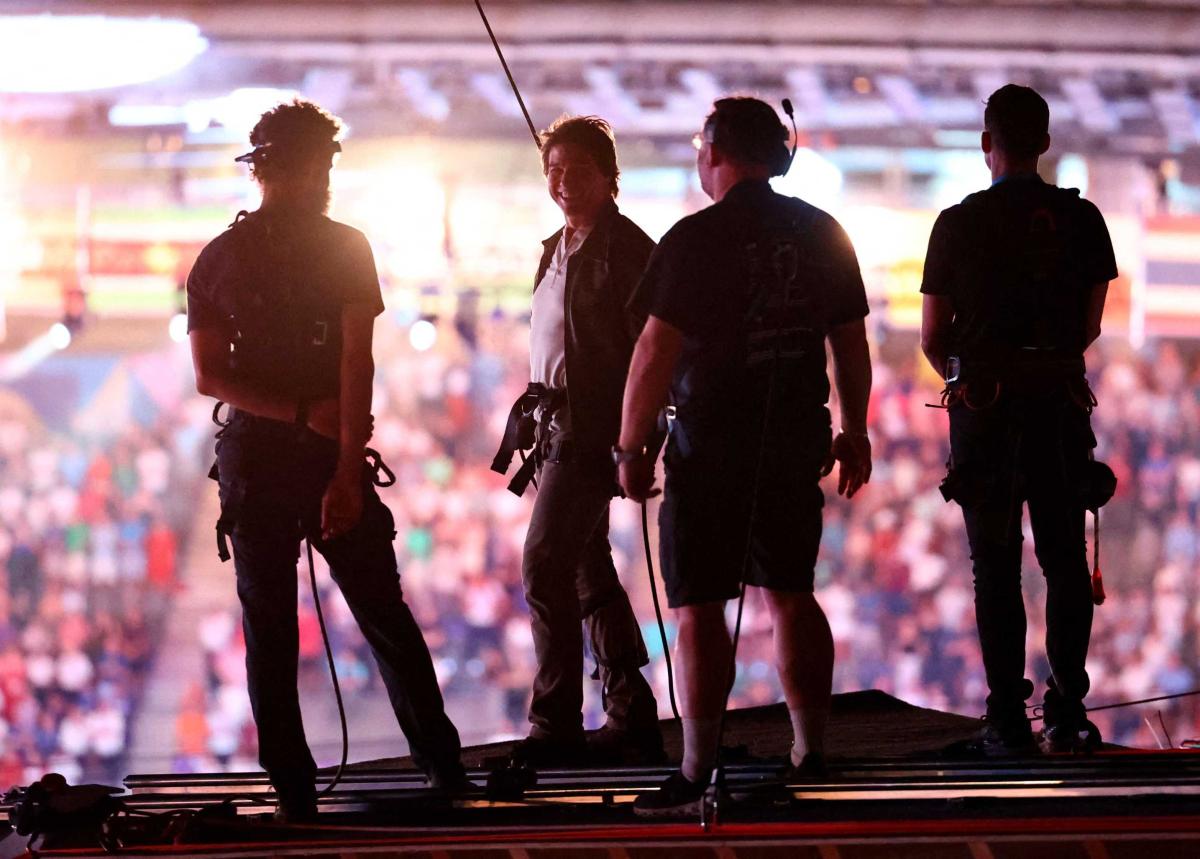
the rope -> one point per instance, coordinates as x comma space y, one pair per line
337, 689
662, 630
537, 141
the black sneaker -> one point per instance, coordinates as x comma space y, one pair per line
1065, 726
296, 809
675, 797
450, 781
811, 767
535, 751
1010, 738
610, 746
1073, 737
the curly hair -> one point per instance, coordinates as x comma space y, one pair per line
750, 131
591, 134
290, 133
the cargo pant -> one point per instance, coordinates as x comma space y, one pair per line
272, 477
570, 581
1025, 450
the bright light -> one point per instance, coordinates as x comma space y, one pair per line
813, 178
60, 336
177, 327
73, 53
422, 335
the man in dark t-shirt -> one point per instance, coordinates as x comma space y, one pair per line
741, 299
281, 309
1014, 285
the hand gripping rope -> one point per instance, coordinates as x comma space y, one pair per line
645, 523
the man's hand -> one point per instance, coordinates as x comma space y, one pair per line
636, 477
853, 451
342, 504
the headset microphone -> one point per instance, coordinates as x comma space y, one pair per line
787, 108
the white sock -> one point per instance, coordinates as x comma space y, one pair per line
808, 732
699, 748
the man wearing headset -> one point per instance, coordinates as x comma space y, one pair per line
281, 309
742, 298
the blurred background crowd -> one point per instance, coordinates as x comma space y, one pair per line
120, 635
90, 535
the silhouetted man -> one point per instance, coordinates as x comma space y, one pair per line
742, 298
281, 309
1015, 280
581, 338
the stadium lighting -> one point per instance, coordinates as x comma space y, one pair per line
76, 53
177, 327
17, 364
59, 336
422, 335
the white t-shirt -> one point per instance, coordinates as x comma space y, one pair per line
547, 335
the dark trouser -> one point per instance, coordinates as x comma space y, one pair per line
1026, 450
275, 477
570, 579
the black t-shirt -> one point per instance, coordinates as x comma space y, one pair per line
1018, 262
755, 283
277, 288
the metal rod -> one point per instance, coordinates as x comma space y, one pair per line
537, 141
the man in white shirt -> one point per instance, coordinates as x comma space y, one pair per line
581, 339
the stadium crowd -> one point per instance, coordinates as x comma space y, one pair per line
894, 574
90, 531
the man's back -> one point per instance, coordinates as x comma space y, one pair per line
278, 285
755, 283
1018, 262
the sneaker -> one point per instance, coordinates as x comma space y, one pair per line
611, 746
451, 781
1010, 738
536, 751
811, 767
676, 797
1071, 737
296, 809
1065, 726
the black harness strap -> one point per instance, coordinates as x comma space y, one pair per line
524, 430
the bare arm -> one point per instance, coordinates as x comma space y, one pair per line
357, 379
1095, 311
937, 315
852, 376
650, 370
210, 353
852, 373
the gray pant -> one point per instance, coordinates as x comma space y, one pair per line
569, 581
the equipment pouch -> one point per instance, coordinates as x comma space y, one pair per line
1099, 485
969, 484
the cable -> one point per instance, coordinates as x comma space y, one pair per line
662, 630
537, 141
337, 689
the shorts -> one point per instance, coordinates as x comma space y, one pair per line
704, 522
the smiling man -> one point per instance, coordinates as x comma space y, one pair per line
581, 339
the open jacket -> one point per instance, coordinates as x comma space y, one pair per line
600, 329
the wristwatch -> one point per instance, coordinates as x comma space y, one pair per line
619, 455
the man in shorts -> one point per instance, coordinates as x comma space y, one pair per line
741, 299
